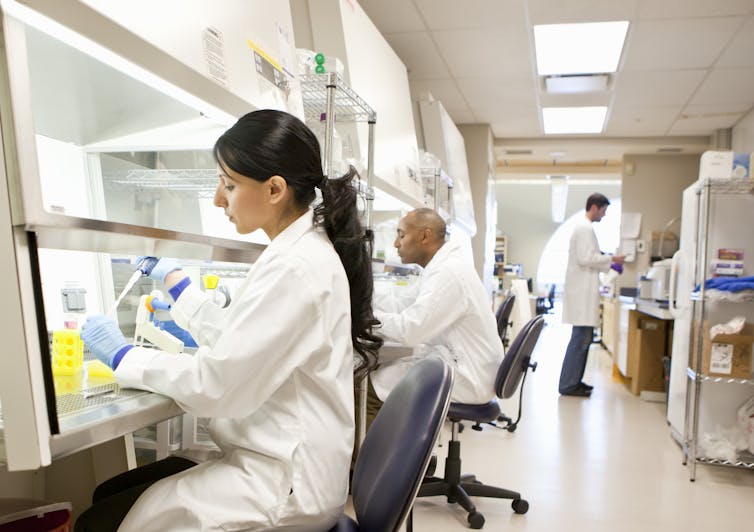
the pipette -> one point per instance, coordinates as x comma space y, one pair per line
142, 266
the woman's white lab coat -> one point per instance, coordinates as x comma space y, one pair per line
581, 293
275, 374
451, 318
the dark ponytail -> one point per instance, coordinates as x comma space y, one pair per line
338, 214
266, 143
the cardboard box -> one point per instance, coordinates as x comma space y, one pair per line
727, 355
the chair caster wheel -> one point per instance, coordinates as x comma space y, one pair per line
511, 428
520, 506
476, 520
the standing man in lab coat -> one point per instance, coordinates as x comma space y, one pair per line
450, 315
581, 301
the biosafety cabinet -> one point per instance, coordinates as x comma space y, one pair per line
106, 155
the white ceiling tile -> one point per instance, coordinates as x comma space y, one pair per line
714, 111
452, 14
550, 12
393, 15
418, 52
444, 90
740, 51
516, 115
679, 41
629, 121
693, 8
462, 117
727, 86
656, 88
490, 53
517, 123
701, 124
504, 94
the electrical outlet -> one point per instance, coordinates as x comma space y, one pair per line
641, 246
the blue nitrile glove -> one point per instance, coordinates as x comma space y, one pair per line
104, 339
157, 268
617, 267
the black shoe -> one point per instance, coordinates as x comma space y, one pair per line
577, 392
585, 386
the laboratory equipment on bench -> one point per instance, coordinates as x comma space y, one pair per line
147, 330
656, 283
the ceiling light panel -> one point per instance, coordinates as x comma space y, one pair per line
573, 120
586, 48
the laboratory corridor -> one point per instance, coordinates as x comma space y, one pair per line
606, 463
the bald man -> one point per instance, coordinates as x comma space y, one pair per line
449, 317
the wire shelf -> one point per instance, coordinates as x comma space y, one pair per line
743, 459
721, 295
348, 106
714, 378
201, 182
729, 185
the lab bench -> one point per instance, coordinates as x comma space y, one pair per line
644, 332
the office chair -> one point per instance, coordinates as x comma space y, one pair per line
459, 488
396, 450
503, 315
545, 305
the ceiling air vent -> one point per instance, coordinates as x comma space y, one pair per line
576, 83
518, 152
669, 150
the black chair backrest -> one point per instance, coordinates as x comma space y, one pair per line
516, 360
551, 294
503, 315
397, 448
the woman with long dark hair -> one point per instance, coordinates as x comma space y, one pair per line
274, 371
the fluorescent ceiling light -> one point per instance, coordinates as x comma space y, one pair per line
558, 196
588, 48
576, 84
562, 120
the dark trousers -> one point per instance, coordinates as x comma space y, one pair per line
574, 362
113, 499
373, 406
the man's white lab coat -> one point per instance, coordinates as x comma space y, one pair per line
275, 374
450, 317
581, 295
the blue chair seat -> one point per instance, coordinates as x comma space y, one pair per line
478, 413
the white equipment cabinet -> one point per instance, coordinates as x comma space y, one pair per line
106, 147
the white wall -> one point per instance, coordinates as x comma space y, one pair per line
524, 215
743, 134
655, 189
481, 163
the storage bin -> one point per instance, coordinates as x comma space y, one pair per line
28, 515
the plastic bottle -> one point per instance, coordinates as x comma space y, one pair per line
328, 64
337, 146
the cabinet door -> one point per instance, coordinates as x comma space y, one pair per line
624, 329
